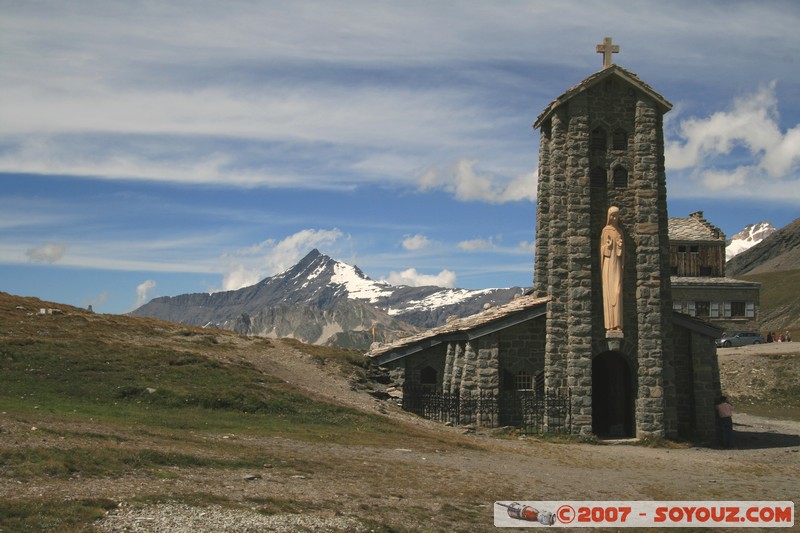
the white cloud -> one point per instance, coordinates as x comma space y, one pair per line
462, 181
416, 242
527, 247
412, 278
751, 126
248, 266
47, 253
143, 291
478, 245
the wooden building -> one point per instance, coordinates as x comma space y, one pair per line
699, 285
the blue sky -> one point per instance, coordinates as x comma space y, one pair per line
160, 148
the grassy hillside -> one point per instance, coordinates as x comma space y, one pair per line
124, 369
780, 301
86, 396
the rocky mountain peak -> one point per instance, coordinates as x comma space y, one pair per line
747, 238
779, 251
321, 300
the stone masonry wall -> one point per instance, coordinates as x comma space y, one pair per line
522, 347
572, 206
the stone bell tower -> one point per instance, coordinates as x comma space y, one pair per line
602, 147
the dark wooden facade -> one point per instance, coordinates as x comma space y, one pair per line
697, 259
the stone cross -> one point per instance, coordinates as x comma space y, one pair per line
607, 49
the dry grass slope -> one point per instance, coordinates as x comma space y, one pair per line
113, 423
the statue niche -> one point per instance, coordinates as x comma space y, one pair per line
611, 267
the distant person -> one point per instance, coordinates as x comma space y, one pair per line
725, 414
769, 337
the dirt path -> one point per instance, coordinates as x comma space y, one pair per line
764, 465
450, 487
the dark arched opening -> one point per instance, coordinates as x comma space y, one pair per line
612, 396
428, 376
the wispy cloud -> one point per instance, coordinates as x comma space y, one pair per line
248, 266
412, 278
97, 301
416, 242
465, 183
477, 245
47, 253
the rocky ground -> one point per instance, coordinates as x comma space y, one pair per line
447, 486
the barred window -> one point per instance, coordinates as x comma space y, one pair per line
523, 381
598, 141
620, 139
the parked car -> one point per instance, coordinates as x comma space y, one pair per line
739, 338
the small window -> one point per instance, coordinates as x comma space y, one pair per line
539, 385
738, 309
620, 139
702, 309
523, 381
598, 139
694, 249
620, 178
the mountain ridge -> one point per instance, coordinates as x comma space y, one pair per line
323, 301
779, 251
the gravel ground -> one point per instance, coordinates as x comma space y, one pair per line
180, 518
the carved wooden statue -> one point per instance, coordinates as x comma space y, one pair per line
611, 266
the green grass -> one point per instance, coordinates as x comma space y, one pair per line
82, 371
112, 378
779, 304
48, 515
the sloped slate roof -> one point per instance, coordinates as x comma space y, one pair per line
682, 282
693, 229
697, 325
614, 70
471, 327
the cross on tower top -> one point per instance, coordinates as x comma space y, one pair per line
607, 49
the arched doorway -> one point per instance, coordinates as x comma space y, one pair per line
612, 396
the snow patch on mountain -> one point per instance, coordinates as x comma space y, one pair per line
358, 285
442, 298
747, 238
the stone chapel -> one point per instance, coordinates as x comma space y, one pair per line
596, 347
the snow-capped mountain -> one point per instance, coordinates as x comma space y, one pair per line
323, 301
747, 238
